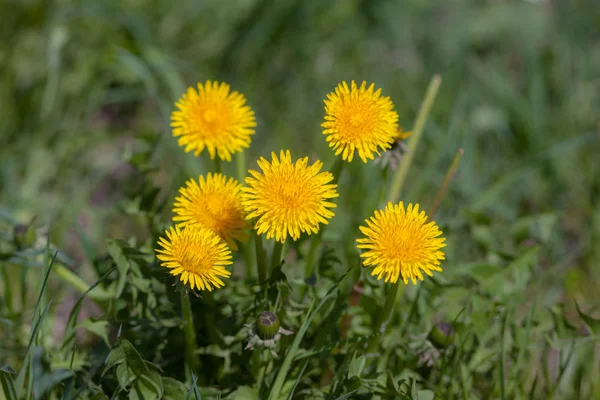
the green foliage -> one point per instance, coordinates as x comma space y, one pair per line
89, 171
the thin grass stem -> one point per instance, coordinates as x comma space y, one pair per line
441, 193
413, 141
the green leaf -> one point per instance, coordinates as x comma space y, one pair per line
124, 375
131, 368
244, 393
152, 379
393, 385
100, 328
115, 357
8, 383
122, 262
173, 389
144, 390
425, 395
356, 366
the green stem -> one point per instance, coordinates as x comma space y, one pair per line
189, 332
447, 179
312, 252
209, 318
261, 258
217, 165
263, 364
315, 241
388, 307
240, 166
247, 250
79, 284
414, 139
336, 169
276, 259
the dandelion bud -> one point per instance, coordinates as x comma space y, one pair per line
442, 335
267, 325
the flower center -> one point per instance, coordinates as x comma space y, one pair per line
212, 119
356, 120
214, 204
289, 198
405, 245
210, 116
195, 261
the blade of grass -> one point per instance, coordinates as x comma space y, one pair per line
194, 389
298, 379
27, 366
72, 320
80, 285
37, 320
88, 248
503, 357
8, 383
289, 357
447, 179
347, 395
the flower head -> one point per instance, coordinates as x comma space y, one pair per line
215, 203
400, 242
288, 198
359, 119
213, 118
197, 254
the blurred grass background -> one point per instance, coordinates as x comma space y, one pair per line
85, 85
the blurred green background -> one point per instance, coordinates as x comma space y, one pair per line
87, 86
82, 81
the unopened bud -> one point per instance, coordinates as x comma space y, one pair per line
442, 335
267, 325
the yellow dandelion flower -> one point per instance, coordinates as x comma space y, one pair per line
213, 118
215, 203
288, 198
197, 254
400, 242
359, 120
